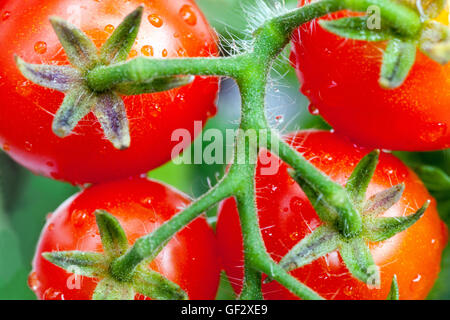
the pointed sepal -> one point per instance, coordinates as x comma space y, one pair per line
118, 46
394, 292
155, 286
112, 115
383, 201
380, 229
320, 242
435, 42
359, 181
114, 239
324, 211
109, 289
88, 264
359, 261
80, 50
356, 28
398, 59
157, 84
60, 78
77, 103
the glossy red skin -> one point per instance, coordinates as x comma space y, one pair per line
141, 205
26, 110
286, 217
340, 77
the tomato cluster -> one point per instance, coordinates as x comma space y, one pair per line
340, 78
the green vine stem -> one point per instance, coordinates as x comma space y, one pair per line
250, 70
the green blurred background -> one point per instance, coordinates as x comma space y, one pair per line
26, 199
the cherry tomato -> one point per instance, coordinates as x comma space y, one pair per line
286, 217
174, 28
340, 77
190, 259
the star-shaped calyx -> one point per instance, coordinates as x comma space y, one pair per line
142, 280
354, 251
80, 99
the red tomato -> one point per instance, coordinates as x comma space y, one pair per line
286, 217
340, 77
190, 259
169, 29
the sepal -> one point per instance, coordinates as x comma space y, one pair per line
394, 292
383, 201
435, 41
88, 264
429, 8
114, 239
398, 59
110, 289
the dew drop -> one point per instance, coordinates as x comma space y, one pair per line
28, 146
294, 236
6, 147
147, 202
279, 119
296, 204
348, 290
188, 14
78, 218
40, 47
164, 53
51, 226
434, 132
313, 109
52, 294
155, 20
109, 28
6, 15
181, 52
33, 281
147, 51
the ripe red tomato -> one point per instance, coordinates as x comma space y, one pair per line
190, 259
286, 216
169, 29
340, 77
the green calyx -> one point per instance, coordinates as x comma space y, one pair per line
354, 250
141, 280
80, 98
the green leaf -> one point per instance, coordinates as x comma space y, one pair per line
118, 46
383, 201
359, 261
109, 289
88, 264
80, 50
362, 175
393, 293
110, 111
153, 285
60, 78
113, 236
321, 241
356, 28
380, 229
398, 60
158, 84
77, 103
324, 211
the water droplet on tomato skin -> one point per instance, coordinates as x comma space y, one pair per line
78, 218
52, 294
188, 14
6, 15
51, 226
155, 20
313, 109
6, 147
28, 146
109, 28
433, 132
33, 281
40, 47
147, 51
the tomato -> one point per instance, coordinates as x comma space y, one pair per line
168, 29
340, 77
190, 259
286, 217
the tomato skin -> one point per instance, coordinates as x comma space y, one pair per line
141, 205
286, 217
340, 77
26, 110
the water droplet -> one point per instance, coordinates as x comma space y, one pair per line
155, 20
24, 88
164, 53
279, 119
6, 147
6, 15
52, 294
51, 226
181, 52
348, 290
188, 14
434, 132
109, 28
40, 47
155, 111
147, 202
78, 218
294, 236
28, 146
296, 204
133, 53
33, 281
313, 109
147, 51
